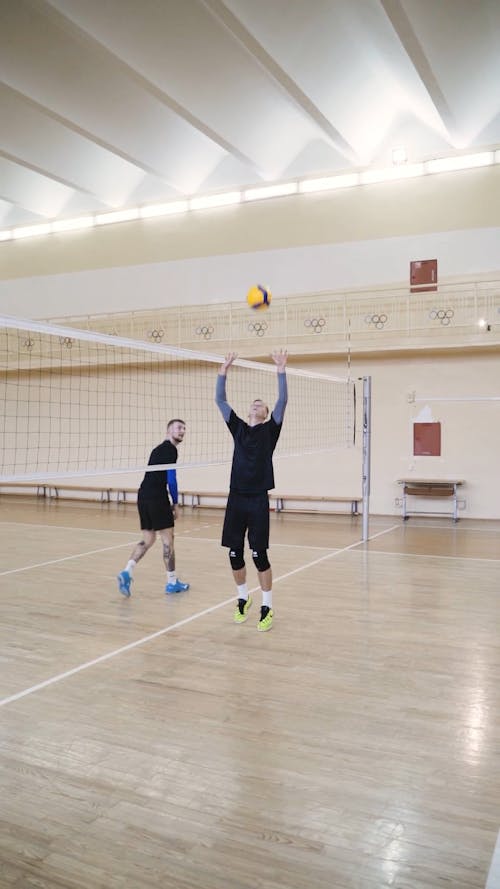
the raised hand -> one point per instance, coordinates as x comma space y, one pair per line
226, 364
280, 359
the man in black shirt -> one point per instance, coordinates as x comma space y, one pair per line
252, 477
155, 511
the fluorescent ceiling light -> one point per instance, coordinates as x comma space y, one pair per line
215, 200
270, 191
463, 162
329, 182
66, 225
116, 216
164, 209
388, 174
399, 170
28, 231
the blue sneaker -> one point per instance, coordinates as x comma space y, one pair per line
177, 587
124, 580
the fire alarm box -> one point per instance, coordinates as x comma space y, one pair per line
427, 439
423, 275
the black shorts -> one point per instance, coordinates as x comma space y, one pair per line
154, 514
246, 512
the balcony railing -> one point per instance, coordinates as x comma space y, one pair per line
456, 315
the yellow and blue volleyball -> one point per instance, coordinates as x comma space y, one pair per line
259, 297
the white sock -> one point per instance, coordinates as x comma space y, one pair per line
242, 591
267, 598
172, 577
130, 566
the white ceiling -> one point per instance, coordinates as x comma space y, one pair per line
114, 103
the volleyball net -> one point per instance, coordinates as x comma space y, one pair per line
75, 403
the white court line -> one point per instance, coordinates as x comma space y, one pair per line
453, 527
105, 549
64, 527
493, 881
381, 552
374, 522
119, 545
180, 623
300, 546
90, 530
91, 552
273, 545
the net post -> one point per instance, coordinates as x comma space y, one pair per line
367, 424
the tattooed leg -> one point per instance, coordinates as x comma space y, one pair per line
142, 547
168, 556
167, 537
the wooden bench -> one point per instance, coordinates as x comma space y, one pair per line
59, 489
434, 489
281, 500
46, 489
121, 493
41, 490
105, 492
197, 495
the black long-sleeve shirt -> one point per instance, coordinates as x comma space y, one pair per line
154, 484
252, 468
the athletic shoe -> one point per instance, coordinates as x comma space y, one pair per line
266, 619
124, 580
241, 610
177, 587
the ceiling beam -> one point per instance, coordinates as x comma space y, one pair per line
413, 48
160, 95
287, 84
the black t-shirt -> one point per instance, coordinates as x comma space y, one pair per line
154, 484
252, 469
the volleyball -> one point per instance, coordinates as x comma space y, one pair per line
259, 297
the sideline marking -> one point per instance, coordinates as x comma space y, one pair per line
91, 552
65, 527
383, 552
493, 881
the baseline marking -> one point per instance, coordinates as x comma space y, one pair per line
180, 623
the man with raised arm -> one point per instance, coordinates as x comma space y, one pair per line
252, 476
156, 513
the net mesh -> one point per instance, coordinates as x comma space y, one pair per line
75, 403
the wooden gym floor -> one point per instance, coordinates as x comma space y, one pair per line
151, 742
